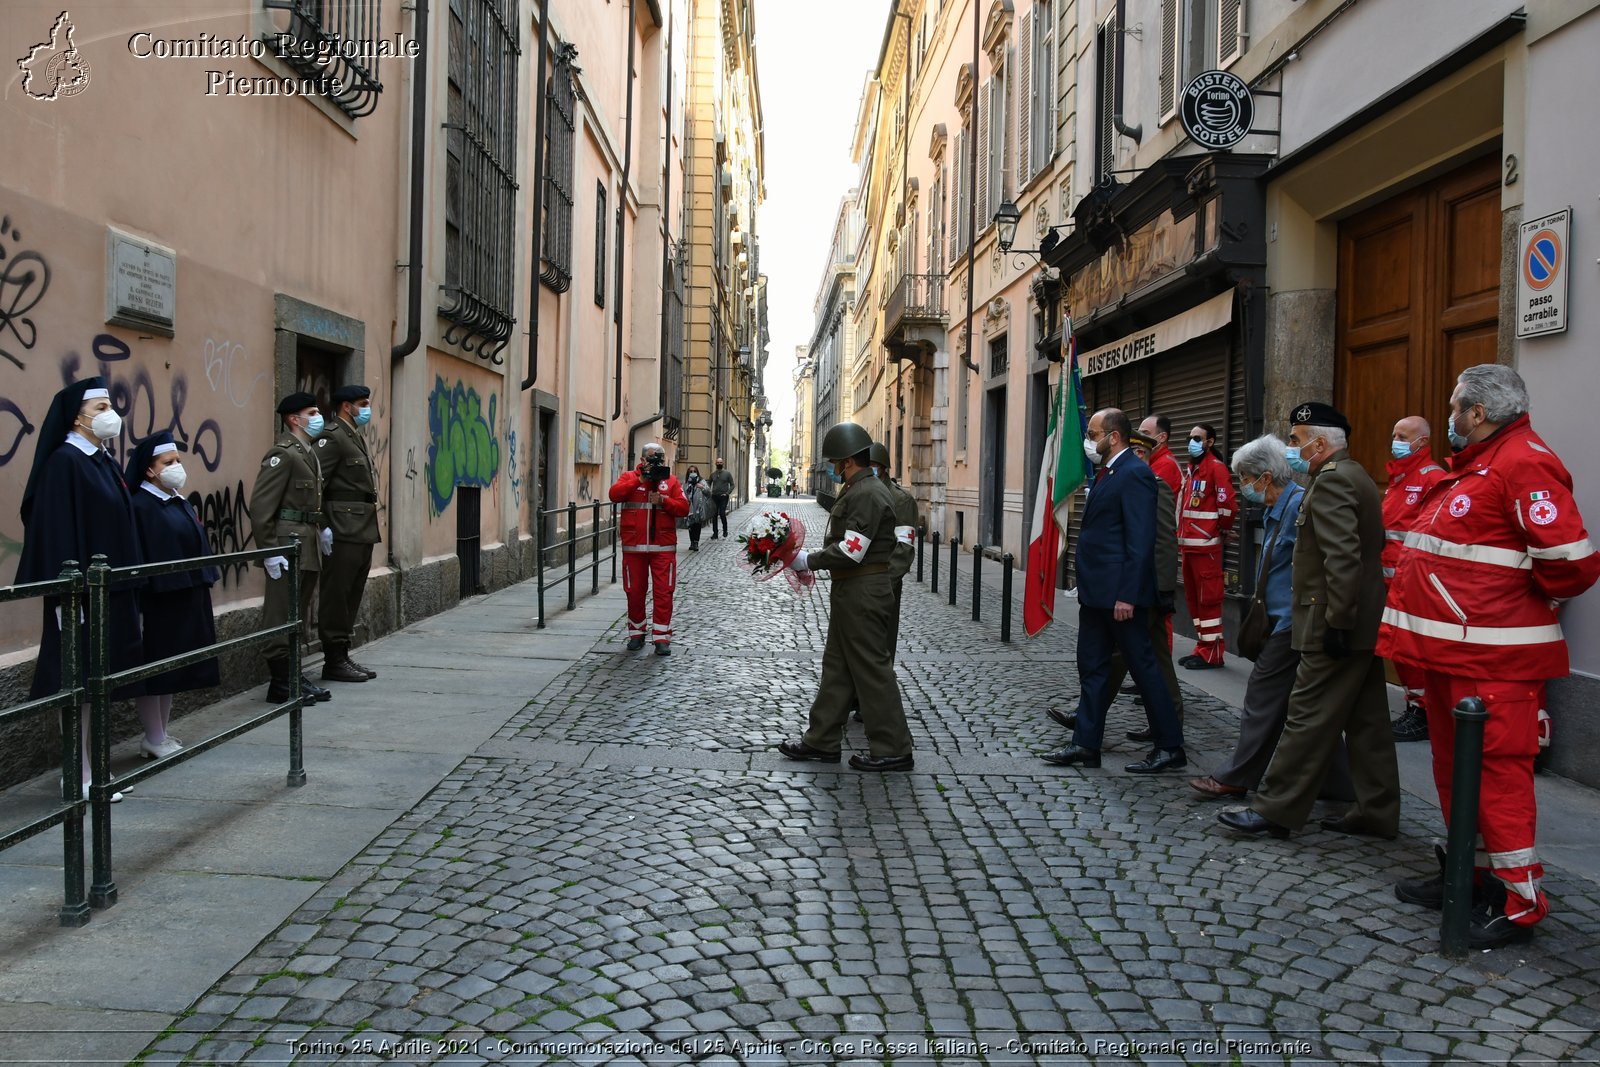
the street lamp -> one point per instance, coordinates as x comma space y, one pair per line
1006, 218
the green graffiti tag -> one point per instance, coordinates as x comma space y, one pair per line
463, 448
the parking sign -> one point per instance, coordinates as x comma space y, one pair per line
1542, 275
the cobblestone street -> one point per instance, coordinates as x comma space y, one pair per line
628, 872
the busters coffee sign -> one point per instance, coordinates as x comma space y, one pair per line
1217, 110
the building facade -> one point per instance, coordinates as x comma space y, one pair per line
831, 352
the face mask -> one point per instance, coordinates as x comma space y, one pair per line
106, 425
1458, 441
1400, 449
173, 476
833, 471
1196, 448
1092, 452
719, 466
1249, 491
1298, 463
314, 425
363, 416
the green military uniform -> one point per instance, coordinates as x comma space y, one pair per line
287, 502
1167, 585
1337, 585
905, 549
858, 660
350, 499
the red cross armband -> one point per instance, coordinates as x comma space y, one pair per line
855, 545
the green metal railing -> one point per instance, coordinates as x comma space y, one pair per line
570, 543
68, 700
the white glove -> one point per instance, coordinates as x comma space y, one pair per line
799, 564
275, 566
326, 538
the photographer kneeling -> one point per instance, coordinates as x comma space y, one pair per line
652, 503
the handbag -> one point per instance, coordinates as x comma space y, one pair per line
1257, 624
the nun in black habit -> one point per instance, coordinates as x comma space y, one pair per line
76, 507
176, 607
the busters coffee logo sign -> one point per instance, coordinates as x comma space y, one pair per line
1217, 110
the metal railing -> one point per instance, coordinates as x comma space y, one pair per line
916, 298
570, 543
92, 591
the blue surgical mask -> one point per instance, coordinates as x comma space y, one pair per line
1399, 449
1297, 462
1251, 493
1196, 448
833, 472
314, 425
363, 416
1457, 441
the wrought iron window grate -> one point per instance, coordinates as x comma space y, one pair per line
561, 105
335, 41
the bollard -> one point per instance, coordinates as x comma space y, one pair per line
954, 543
594, 543
297, 764
572, 554
102, 890
1462, 835
936, 562
977, 583
538, 560
922, 534
1006, 562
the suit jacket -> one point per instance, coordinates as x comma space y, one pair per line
1116, 557
1338, 557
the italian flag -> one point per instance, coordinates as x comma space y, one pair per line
1062, 469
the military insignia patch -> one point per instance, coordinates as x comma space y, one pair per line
273, 461
322, 443
1543, 513
1538, 496
1460, 505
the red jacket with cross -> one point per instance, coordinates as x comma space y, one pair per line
1205, 505
1480, 580
645, 525
1409, 481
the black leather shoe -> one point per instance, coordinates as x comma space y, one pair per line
1160, 759
313, 693
1424, 892
368, 671
883, 763
1250, 821
635, 643
343, 671
799, 750
1072, 755
278, 692
1344, 824
1069, 719
1196, 663
1190, 660
1488, 925
663, 649
1140, 735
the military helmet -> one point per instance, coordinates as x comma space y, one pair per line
845, 439
879, 454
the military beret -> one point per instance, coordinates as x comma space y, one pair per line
351, 393
296, 402
1315, 413
1143, 440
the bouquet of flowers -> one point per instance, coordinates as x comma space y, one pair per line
768, 544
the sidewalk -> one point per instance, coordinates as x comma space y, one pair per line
514, 836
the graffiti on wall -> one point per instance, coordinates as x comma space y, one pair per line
463, 448
226, 518
224, 360
516, 469
133, 396
24, 279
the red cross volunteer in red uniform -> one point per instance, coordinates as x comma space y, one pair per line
1475, 604
1205, 515
652, 502
1412, 472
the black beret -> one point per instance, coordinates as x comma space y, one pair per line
296, 402
1315, 413
351, 393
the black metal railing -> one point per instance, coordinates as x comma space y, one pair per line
68, 701
917, 298
591, 540
334, 42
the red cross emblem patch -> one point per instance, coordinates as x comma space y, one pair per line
853, 545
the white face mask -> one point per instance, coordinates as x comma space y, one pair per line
1092, 452
106, 425
173, 476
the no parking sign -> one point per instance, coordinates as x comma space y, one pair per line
1542, 275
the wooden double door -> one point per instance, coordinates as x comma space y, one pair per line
1418, 301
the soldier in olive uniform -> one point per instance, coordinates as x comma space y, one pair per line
350, 500
1339, 687
287, 502
905, 534
858, 661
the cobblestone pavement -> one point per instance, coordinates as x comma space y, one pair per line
628, 873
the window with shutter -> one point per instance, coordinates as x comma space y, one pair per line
983, 157
1230, 31
1008, 139
1171, 49
1044, 81
1105, 133
1027, 104
958, 224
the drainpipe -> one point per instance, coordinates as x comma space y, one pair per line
636, 427
666, 221
622, 197
419, 116
540, 119
1135, 132
972, 187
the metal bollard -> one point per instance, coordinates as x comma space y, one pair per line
572, 555
1006, 562
936, 561
977, 583
594, 545
1470, 717
922, 534
954, 543
538, 560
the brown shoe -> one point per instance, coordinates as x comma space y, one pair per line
1214, 789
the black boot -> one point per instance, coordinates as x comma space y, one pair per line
336, 666
278, 689
311, 693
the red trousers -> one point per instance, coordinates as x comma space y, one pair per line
1202, 591
1507, 817
659, 571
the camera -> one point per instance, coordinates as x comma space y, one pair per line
655, 472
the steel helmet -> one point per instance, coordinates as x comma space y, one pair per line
843, 440
879, 454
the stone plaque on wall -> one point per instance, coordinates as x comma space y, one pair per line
141, 283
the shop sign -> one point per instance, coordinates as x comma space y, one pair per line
1198, 321
1217, 110
1542, 275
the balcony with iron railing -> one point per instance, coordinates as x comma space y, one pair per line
914, 319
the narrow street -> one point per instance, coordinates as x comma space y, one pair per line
627, 872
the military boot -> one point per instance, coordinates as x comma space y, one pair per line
336, 666
311, 693
278, 689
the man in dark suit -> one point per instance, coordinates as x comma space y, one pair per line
1116, 569
1338, 596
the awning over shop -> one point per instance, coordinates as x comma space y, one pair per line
1198, 321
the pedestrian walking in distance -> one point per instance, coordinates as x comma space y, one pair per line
652, 502
858, 659
350, 501
721, 491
